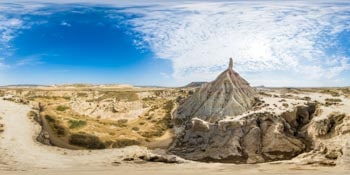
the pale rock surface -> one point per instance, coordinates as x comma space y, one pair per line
219, 124
229, 94
256, 137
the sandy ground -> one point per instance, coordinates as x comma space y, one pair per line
21, 154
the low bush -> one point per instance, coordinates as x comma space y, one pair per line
62, 108
337, 100
1, 127
73, 124
55, 125
60, 130
86, 141
332, 101
50, 119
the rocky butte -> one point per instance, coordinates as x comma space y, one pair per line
227, 121
228, 95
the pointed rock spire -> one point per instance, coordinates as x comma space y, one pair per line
228, 95
230, 66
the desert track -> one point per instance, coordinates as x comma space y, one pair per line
346, 159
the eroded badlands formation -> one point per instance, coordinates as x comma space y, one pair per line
225, 120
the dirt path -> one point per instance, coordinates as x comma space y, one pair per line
346, 159
19, 150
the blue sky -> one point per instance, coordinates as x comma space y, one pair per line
175, 42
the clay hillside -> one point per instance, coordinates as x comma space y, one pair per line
228, 95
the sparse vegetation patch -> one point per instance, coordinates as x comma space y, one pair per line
56, 126
1, 128
62, 108
73, 124
332, 101
87, 141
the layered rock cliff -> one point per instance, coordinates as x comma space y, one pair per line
227, 121
250, 138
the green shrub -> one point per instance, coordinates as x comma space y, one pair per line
50, 119
86, 141
55, 125
66, 98
60, 130
76, 123
2, 128
62, 108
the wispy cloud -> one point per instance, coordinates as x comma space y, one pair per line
199, 37
11, 22
29, 61
8, 27
64, 23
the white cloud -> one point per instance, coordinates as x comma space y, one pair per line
64, 23
199, 37
8, 27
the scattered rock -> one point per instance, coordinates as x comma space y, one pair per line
44, 138
160, 158
151, 157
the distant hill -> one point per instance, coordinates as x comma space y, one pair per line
195, 84
23, 85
